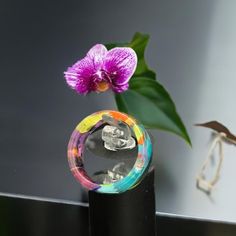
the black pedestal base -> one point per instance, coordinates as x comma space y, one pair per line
131, 213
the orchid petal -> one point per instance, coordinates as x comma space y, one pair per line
120, 63
120, 88
78, 77
97, 54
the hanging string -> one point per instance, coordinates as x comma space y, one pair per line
202, 183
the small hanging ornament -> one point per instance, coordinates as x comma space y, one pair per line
221, 135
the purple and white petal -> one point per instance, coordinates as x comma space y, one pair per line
79, 76
120, 88
120, 63
97, 55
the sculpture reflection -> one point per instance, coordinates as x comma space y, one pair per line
114, 145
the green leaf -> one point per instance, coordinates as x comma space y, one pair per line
139, 43
150, 103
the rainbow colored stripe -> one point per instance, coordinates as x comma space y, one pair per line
77, 144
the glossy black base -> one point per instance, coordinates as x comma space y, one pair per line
131, 213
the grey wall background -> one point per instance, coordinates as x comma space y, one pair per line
193, 50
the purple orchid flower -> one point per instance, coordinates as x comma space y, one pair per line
101, 69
